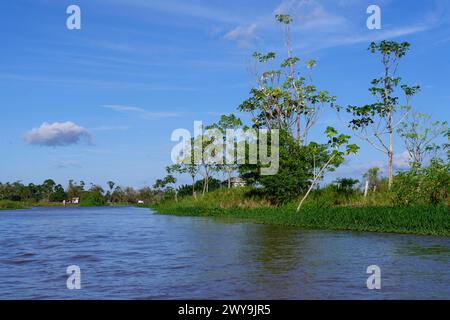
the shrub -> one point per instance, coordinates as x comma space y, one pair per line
92, 199
338, 194
295, 174
423, 185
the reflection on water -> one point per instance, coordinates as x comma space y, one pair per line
130, 253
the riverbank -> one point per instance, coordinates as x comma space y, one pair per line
19, 205
11, 205
419, 220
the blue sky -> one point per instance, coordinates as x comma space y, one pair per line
139, 69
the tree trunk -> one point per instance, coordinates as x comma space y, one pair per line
193, 186
366, 189
316, 178
204, 185
391, 152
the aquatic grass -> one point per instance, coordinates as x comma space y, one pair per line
422, 220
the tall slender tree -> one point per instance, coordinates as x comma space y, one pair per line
376, 122
225, 123
285, 97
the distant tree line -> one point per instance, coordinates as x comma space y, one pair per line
50, 192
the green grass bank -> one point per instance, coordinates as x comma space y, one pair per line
11, 205
420, 220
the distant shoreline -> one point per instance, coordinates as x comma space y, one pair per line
18, 205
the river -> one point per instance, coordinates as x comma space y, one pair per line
132, 253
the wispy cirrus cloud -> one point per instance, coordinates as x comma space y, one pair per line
66, 163
311, 14
144, 114
58, 134
101, 84
111, 128
244, 36
350, 39
325, 24
183, 8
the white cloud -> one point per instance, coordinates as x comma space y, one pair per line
244, 36
357, 169
322, 24
309, 14
57, 134
402, 160
335, 41
148, 115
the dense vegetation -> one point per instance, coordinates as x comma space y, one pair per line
411, 200
320, 212
286, 99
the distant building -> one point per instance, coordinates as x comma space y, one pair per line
236, 182
140, 202
73, 201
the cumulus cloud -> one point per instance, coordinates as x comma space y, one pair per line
57, 134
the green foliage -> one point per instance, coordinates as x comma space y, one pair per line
296, 170
345, 186
425, 220
418, 132
58, 194
10, 205
17, 191
383, 88
221, 198
166, 182
376, 121
284, 18
294, 174
186, 190
129, 195
428, 185
74, 190
372, 175
92, 199
285, 98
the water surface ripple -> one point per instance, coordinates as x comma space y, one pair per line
131, 253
